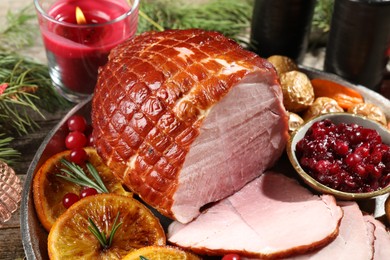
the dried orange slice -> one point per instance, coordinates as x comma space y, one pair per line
49, 189
161, 253
70, 238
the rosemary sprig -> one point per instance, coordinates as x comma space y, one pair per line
74, 173
101, 236
141, 257
7, 154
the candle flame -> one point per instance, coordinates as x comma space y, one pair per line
80, 18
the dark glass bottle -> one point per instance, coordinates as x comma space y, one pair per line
359, 41
281, 27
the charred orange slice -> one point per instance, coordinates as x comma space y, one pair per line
71, 238
160, 253
49, 189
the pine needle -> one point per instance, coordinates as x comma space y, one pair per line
19, 31
29, 90
230, 17
7, 154
323, 15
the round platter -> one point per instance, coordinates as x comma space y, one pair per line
34, 237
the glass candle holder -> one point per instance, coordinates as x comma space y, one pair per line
76, 46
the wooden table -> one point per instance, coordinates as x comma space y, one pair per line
10, 237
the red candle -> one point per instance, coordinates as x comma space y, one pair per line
75, 51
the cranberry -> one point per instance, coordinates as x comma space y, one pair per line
347, 157
231, 257
341, 147
69, 199
352, 159
78, 156
77, 123
90, 140
88, 192
75, 139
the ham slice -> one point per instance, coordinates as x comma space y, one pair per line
355, 239
272, 216
381, 238
187, 117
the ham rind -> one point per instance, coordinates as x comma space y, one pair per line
272, 216
354, 241
187, 117
381, 239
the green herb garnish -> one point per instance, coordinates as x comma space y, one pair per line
101, 236
74, 173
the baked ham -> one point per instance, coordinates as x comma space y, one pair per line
382, 238
187, 117
354, 241
271, 217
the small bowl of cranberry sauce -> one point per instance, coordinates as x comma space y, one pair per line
342, 154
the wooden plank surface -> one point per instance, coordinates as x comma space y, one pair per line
10, 237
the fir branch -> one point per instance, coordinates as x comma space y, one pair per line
7, 154
19, 31
230, 17
29, 89
323, 15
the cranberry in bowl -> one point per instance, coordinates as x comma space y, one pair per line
342, 154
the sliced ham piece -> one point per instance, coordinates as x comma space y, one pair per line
354, 241
187, 117
272, 216
381, 239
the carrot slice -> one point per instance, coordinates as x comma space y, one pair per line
345, 96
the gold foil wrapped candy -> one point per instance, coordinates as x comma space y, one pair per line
322, 105
370, 111
282, 64
298, 93
10, 192
294, 122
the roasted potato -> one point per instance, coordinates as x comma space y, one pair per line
282, 64
322, 105
370, 111
297, 91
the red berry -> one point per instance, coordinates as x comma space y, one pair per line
78, 156
77, 123
356, 160
75, 139
231, 257
90, 140
69, 199
88, 192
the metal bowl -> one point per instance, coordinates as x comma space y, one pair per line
336, 118
34, 237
